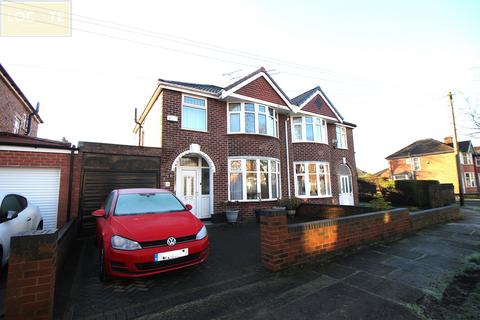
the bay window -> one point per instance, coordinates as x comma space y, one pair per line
466, 158
309, 129
253, 179
341, 137
252, 118
194, 113
312, 180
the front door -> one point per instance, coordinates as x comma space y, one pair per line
188, 188
346, 190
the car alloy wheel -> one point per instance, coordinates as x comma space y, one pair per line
102, 275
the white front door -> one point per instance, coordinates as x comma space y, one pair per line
346, 190
189, 191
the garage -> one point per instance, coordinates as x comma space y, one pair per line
106, 167
40, 185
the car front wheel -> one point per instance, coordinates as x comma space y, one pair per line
104, 277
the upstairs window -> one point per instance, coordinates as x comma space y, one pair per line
17, 123
341, 137
252, 118
466, 158
416, 164
477, 161
309, 129
194, 113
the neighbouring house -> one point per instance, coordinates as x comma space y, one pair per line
17, 115
430, 159
250, 144
383, 174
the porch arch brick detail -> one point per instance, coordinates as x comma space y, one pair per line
196, 153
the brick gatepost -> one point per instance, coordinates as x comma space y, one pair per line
274, 239
31, 276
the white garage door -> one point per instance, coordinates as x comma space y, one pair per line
39, 185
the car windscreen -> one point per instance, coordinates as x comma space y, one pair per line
143, 203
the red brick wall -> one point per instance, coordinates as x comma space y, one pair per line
284, 246
311, 106
10, 105
31, 276
50, 160
261, 89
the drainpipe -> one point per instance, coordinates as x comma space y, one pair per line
70, 182
288, 161
30, 116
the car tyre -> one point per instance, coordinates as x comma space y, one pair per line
104, 277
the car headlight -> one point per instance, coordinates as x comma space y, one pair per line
201, 234
122, 243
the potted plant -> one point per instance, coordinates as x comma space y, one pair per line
292, 205
231, 211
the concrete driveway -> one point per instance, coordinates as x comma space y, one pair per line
383, 282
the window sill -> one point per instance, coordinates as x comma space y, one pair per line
252, 134
253, 200
317, 142
313, 197
201, 131
342, 148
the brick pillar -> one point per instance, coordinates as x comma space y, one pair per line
274, 239
31, 275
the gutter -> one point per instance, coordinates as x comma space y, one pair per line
287, 157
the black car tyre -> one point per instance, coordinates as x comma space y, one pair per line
102, 275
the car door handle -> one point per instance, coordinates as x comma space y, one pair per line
29, 219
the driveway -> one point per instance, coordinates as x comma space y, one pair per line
387, 281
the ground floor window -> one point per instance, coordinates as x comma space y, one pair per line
312, 179
253, 179
470, 180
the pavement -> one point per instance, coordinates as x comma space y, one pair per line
382, 282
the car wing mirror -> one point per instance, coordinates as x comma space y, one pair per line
11, 215
99, 213
188, 207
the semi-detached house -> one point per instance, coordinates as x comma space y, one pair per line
249, 143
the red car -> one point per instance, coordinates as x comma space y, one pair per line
142, 232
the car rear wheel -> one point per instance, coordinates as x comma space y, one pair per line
102, 274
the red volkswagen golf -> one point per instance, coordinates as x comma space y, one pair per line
142, 232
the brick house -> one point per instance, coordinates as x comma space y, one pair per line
249, 144
430, 159
17, 115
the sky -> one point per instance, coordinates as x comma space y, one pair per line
387, 66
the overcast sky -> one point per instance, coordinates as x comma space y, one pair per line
386, 65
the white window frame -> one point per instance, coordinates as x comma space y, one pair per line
243, 161
399, 177
17, 124
196, 107
471, 177
413, 162
328, 184
342, 141
467, 156
242, 113
477, 161
323, 129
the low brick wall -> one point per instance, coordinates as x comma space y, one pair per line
325, 211
35, 259
284, 245
31, 275
426, 218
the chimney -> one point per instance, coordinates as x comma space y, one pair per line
448, 140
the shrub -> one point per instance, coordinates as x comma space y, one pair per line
379, 202
291, 203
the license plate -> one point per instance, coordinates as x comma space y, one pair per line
169, 255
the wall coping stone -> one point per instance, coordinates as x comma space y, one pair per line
272, 212
23, 242
417, 214
341, 220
